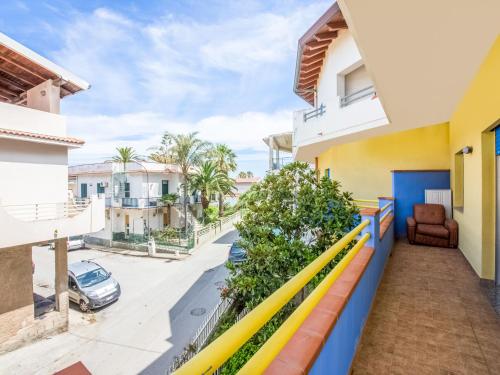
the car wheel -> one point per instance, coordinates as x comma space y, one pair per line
84, 306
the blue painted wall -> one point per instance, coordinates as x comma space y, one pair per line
340, 348
409, 187
497, 140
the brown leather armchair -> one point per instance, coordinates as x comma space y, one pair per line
429, 226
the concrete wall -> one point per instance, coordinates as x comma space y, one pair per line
364, 167
17, 322
32, 173
16, 278
470, 125
31, 120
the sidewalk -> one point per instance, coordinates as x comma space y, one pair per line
136, 253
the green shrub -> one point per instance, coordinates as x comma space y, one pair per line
289, 219
210, 214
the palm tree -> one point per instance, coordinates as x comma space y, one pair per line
125, 155
185, 150
225, 160
242, 174
208, 180
161, 155
249, 174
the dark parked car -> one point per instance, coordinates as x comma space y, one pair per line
237, 254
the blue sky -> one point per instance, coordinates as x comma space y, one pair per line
222, 68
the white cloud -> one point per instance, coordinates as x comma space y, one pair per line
243, 132
170, 60
220, 77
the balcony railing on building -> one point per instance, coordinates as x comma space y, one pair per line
279, 163
47, 211
367, 248
316, 112
39, 222
356, 96
139, 202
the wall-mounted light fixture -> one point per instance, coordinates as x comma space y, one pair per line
467, 150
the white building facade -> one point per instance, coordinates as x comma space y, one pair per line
133, 195
332, 77
35, 206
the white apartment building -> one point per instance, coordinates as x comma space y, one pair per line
34, 202
133, 196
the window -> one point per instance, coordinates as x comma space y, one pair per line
71, 283
164, 187
327, 172
83, 191
100, 188
458, 194
355, 85
127, 189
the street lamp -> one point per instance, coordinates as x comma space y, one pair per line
147, 183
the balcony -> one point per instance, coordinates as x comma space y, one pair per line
341, 301
316, 130
279, 163
15, 117
40, 222
430, 316
424, 310
139, 202
358, 95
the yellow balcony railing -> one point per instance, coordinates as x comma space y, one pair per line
366, 203
213, 356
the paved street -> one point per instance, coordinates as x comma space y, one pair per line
144, 329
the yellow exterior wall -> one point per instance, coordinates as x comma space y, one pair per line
477, 113
364, 167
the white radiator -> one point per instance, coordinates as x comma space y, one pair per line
440, 197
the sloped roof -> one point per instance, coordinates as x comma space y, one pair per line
312, 48
22, 69
37, 137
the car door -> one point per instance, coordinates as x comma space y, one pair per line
73, 290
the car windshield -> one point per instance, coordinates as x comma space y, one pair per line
92, 277
75, 238
236, 250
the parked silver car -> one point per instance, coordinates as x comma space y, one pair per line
91, 286
74, 243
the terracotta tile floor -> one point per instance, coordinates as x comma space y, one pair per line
430, 316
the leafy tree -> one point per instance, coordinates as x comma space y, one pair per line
169, 199
125, 155
290, 219
208, 180
210, 215
242, 174
225, 159
185, 150
249, 174
161, 155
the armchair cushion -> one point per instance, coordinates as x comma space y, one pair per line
433, 230
411, 226
432, 214
452, 227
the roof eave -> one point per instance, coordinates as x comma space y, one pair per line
62, 73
